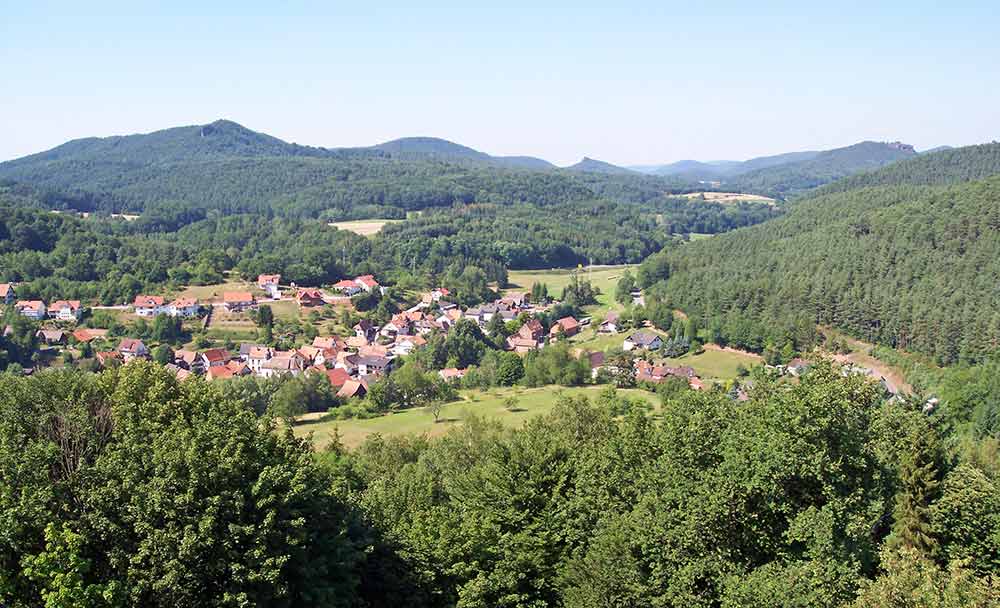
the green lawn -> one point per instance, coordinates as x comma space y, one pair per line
604, 278
531, 402
716, 364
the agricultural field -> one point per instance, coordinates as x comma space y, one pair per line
729, 197
363, 227
208, 293
531, 402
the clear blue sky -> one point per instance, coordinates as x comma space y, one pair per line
626, 82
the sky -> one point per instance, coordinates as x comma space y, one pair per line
626, 82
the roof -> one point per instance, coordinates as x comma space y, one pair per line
338, 377
237, 297
268, 279
184, 302
216, 355
73, 305
596, 360
568, 323
352, 388
130, 345
84, 335
309, 294
611, 317
643, 337
373, 361
345, 284
331, 342
51, 335
187, 356
30, 305
367, 280
144, 301
519, 342
5, 289
451, 372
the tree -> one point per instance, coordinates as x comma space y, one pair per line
626, 285
163, 354
912, 528
510, 404
435, 408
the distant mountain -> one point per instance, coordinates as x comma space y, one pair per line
937, 149
220, 139
590, 165
790, 178
225, 167
424, 148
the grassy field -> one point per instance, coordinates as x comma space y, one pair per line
729, 197
604, 278
532, 402
363, 227
209, 293
716, 364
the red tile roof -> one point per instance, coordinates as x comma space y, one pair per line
148, 301
237, 297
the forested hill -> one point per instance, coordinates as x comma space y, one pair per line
786, 179
945, 166
433, 148
223, 166
220, 139
910, 266
591, 165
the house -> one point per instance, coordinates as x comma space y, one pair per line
229, 370
309, 297
189, 360
515, 299
215, 357
566, 326
532, 330
642, 340
283, 362
268, 283
149, 306
238, 301
337, 377
435, 295
332, 342
130, 348
610, 325
407, 344
255, 356
521, 345
108, 357
365, 329
347, 287
637, 298
452, 374
51, 336
33, 309
7, 294
399, 324
66, 310
86, 335
352, 388
367, 282
798, 366
180, 373
347, 362
183, 307
373, 365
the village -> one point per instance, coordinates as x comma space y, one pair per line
351, 362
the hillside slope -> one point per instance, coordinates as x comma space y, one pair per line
787, 179
592, 165
910, 266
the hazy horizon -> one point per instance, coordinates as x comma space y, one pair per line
642, 84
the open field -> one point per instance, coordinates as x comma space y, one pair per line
717, 364
363, 227
532, 402
730, 197
209, 293
604, 278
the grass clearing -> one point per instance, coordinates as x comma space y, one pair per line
604, 278
730, 197
363, 227
211, 293
532, 402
